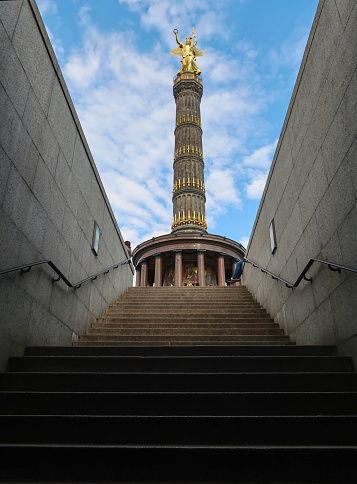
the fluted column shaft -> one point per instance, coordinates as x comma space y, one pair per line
201, 267
158, 270
220, 270
138, 276
189, 197
178, 267
144, 274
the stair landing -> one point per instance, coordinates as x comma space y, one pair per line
185, 316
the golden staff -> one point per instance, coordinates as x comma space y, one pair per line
194, 36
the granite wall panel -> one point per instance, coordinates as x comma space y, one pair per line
50, 196
314, 173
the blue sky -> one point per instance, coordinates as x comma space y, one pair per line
115, 57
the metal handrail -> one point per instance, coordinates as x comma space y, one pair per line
331, 265
27, 267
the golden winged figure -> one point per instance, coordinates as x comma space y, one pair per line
188, 53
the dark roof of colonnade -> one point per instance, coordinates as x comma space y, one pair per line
187, 241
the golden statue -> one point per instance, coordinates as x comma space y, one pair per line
189, 52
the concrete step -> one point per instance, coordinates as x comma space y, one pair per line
188, 290
198, 305
179, 382
179, 342
182, 431
173, 331
182, 338
148, 318
182, 297
101, 324
241, 350
179, 364
179, 403
168, 464
206, 311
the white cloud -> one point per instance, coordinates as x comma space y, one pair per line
220, 187
47, 6
56, 43
82, 70
255, 188
244, 241
124, 100
289, 54
262, 157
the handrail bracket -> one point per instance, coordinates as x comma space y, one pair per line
25, 270
334, 268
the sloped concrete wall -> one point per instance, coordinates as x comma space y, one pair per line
50, 196
311, 191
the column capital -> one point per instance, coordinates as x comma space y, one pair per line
177, 250
158, 254
222, 254
201, 250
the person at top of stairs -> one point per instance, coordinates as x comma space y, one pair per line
238, 272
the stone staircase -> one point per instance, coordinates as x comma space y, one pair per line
185, 315
168, 410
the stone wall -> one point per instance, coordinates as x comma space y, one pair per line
50, 194
311, 191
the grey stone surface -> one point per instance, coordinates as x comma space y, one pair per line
308, 246
312, 190
43, 329
9, 13
345, 9
335, 204
299, 121
323, 49
15, 141
33, 55
12, 297
12, 75
11, 242
82, 169
49, 200
17, 199
71, 231
316, 215
344, 63
282, 170
48, 194
4, 173
342, 131
61, 122
286, 205
351, 158
290, 238
319, 328
40, 132
347, 238
56, 249
35, 225
66, 183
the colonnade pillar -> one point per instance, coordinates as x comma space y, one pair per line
144, 273
201, 267
138, 276
220, 270
158, 270
178, 267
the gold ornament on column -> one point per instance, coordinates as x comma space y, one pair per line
188, 53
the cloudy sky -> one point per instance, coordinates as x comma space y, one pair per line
115, 57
